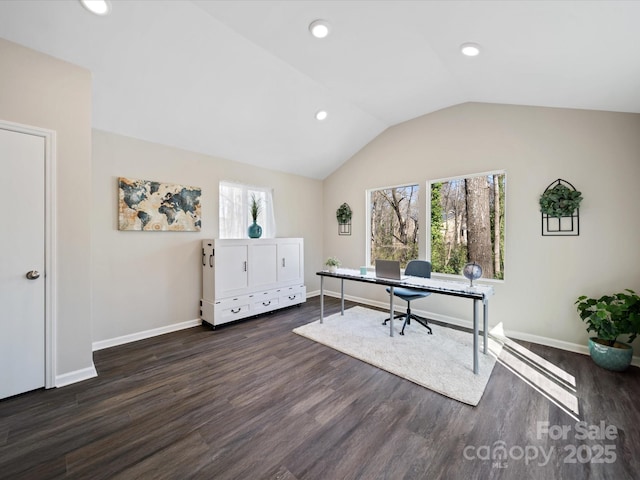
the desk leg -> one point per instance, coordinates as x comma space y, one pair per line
391, 311
475, 336
485, 326
321, 298
342, 296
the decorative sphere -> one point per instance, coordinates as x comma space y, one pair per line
472, 271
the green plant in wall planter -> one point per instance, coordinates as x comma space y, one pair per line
343, 214
560, 201
609, 317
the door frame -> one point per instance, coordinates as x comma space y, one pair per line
50, 252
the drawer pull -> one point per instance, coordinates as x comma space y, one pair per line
292, 297
266, 304
236, 310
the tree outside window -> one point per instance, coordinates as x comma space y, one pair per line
467, 224
393, 224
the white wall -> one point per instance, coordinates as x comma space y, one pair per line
44, 92
122, 283
598, 152
150, 280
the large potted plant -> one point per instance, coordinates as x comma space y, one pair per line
609, 317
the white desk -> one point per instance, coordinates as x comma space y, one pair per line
478, 293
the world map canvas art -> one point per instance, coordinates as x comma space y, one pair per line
155, 206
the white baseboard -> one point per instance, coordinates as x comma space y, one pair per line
513, 334
77, 376
90, 372
154, 332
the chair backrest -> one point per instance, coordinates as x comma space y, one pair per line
418, 268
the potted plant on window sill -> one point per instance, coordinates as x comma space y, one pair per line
332, 263
254, 230
609, 317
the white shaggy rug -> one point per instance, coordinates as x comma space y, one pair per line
442, 362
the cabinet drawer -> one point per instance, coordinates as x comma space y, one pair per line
232, 309
292, 296
265, 304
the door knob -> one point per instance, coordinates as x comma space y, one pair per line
33, 274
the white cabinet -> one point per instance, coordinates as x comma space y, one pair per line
234, 263
263, 264
290, 260
246, 277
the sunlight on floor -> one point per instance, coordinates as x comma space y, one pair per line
545, 377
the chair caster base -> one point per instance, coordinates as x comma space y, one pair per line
401, 315
420, 320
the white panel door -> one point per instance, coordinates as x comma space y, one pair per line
22, 237
231, 264
290, 261
263, 265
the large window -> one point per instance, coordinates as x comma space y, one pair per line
235, 218
393, 224
467, 223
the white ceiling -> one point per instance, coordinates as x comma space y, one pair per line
242, 80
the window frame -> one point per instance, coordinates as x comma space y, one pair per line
266, 219
368, 233
429, 184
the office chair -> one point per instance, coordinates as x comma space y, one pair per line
415, 268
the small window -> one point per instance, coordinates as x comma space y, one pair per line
393, 224
467, 223
235, 216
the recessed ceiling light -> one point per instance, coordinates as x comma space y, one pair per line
97, 7
321, 114
470, 49
319, 28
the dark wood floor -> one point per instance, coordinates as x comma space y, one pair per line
255, 401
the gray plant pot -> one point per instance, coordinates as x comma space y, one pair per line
611, 358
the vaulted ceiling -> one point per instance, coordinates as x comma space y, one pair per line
243, 80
